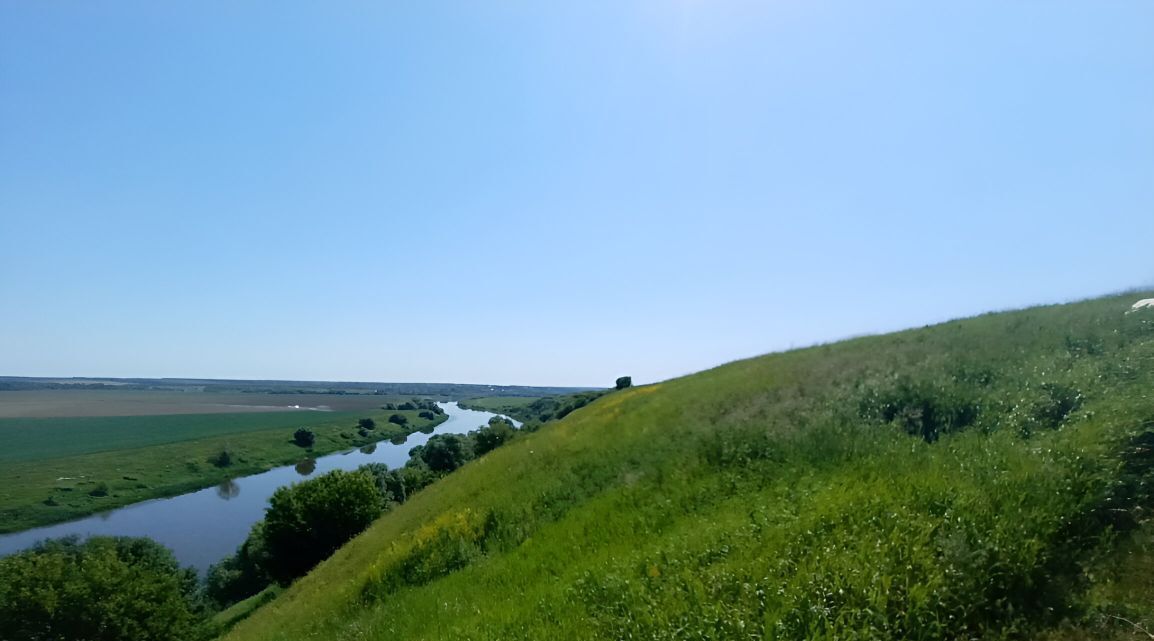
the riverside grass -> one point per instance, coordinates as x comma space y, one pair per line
781, 498
107, 462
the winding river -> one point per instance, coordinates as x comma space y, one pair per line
205, 526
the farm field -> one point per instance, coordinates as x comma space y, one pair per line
57, 469
76, 403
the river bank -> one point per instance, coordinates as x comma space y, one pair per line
202, 527
107, 473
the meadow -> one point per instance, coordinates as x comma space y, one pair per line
57, 469
983, 478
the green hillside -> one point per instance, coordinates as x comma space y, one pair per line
975, 479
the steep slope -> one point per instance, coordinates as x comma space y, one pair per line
946, 482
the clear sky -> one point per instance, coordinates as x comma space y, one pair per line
532, 192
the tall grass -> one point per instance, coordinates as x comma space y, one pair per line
957, 481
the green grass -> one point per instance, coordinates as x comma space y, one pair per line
241, 610
31, 439
967, 480
59, 469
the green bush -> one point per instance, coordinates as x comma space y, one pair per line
104, 589
304, 437
223, 458
307, 522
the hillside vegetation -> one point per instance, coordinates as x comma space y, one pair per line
975, 479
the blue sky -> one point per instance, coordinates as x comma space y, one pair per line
552, 193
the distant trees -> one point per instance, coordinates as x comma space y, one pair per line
307, 522
624, 381
551, 408
304, 437
104, 589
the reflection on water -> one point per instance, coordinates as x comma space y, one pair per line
228, 490
306, 467
369, 449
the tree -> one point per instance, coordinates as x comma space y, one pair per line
396, 486
304, 437
367, 424
493, 435
307, 522
104, 589
399, 419
445, 453
223, 458
624, 381
241, 575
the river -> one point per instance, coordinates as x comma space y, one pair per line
205, 526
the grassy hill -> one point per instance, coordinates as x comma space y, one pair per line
983, 478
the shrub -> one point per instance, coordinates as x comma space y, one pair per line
104, 589
445, 452
304, 437
921, 409
307, 522
223, 458
240, 575
367, 424
399, 419
492, 436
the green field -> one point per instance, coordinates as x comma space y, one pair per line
983, 478
30, 439
129, 402
56, 469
